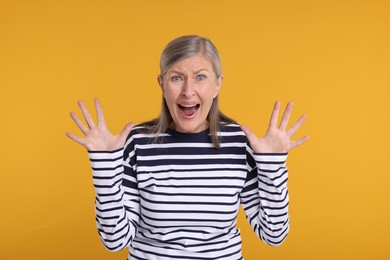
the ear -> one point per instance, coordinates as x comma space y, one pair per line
218, 85
160, 83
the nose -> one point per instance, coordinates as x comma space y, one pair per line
188, 89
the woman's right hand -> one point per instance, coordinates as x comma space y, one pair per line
97, 137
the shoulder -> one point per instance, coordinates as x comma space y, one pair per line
232, 128
229, 127
144, 128
137, 130
141, 133
231, 132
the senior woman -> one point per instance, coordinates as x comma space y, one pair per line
171, 188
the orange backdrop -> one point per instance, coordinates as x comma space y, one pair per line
330, 57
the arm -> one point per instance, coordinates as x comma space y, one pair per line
117, 199
265, 197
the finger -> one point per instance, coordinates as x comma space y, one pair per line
86, 114
75, 138
274, 115
79, 123
296, 126
125, 131
297, 143
286, 116
252, 138
99, 112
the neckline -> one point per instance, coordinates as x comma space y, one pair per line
175, 133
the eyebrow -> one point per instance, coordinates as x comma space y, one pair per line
195, 72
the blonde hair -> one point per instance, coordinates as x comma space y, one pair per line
175, 51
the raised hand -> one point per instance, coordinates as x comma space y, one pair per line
277, 140
97, 137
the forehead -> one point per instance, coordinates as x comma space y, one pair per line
192, 63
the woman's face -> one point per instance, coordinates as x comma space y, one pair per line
189, 87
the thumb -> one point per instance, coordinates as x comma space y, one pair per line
126, 130
252, 138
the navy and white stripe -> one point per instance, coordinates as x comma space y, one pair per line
178, 198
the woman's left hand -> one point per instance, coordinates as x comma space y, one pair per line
277, 140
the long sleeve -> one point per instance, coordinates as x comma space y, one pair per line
117, 197
265, 197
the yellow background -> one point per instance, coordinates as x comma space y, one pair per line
332, 58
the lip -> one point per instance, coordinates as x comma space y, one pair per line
182, 106
187, 104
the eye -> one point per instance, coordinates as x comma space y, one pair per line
201, 77
176, 78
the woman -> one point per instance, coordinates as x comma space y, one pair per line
171, 188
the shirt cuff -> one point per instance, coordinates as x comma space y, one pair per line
105, 160
270, 161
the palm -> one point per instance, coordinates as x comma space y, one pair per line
273, 141
277, 140
101, 139
97, 137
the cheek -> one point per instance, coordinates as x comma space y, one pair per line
208, 101
213, 92
216, 90
170, 97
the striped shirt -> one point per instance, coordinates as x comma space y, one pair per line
179, 198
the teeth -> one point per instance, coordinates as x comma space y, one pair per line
188, 105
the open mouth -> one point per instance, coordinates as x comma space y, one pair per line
189, 110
